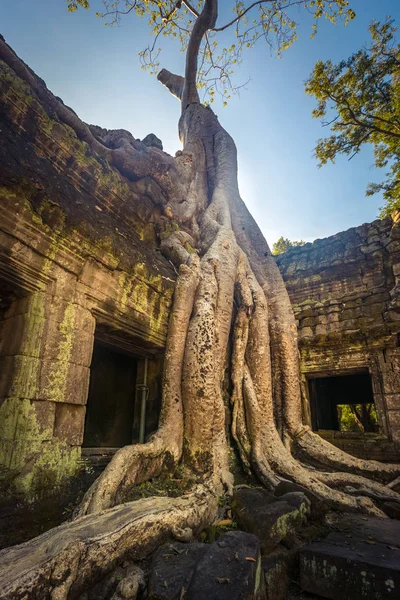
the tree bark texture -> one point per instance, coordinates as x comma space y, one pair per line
60, 563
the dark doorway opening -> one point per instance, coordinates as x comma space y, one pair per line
343, 403
111, 400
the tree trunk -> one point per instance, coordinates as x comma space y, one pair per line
235, 264
232, 263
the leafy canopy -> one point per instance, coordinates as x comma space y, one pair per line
359, 99
284, 244
222, 48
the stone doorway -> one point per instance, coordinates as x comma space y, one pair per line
343, 403
111, 401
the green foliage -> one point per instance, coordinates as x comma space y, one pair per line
284, 244
357, 417
359, 98
73, 5
268, 20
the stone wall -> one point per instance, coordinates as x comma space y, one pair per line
345, 292
79, 260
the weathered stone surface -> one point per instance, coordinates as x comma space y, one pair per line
172, 569
152, 140
132, 582
271, 519
279, 567
69, 423
344, 290
360, 561
78, 252
317, 507
230, 569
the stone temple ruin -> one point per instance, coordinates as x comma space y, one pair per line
345, 292
85, 295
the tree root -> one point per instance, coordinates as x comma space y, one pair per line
356, 485
62, 562
269, 455
137, 463
317, 451
280, 462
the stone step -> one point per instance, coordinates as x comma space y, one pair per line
228, 569
359, 560
172, 569
272, 519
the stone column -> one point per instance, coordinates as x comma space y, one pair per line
46, 345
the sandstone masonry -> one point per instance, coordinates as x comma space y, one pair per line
345, 292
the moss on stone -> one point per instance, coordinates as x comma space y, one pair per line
57, 380
169, 228
32, 457
284, 524
27, 446
189, 248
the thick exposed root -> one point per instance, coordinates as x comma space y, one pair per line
60, 563
129, 466
281, 462
314, 449
139, 462
266, 400
356, 485
270, 457
205, 448
240, 337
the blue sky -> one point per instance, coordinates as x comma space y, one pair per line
96, 71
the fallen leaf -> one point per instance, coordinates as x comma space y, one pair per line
223, 523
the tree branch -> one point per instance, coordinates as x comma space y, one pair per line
173, 82
356, 121
240, 15
191, 8
204, 22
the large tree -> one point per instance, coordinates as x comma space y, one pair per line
231, 344
359, 99
232, 338
231, 312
